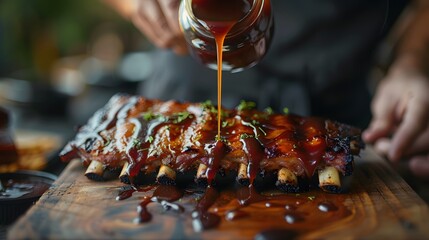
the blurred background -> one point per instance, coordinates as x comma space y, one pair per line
59, 62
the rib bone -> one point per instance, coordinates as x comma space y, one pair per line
201, 177
287, 181
95, 171
242, 176
123, 176
329, 180
166, 175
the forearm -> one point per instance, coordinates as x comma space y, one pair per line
412, 52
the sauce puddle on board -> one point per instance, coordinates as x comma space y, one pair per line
231, 204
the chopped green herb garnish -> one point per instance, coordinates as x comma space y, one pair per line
218, 138
182, 116
245, 135
150, 139
244, 105
147, 116
221, 138
224, 114
228, 123
208, 105
286, 110
269, 110
136, 143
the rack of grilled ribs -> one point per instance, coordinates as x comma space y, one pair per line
142, 136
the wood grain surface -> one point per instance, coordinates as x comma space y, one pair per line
378, 205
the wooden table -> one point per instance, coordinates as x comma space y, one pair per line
379, 205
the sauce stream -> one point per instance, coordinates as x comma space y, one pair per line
219, 17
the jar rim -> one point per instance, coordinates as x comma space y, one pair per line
240, 26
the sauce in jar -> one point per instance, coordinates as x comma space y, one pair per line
246, 24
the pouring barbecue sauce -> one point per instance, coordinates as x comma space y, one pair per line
227, 34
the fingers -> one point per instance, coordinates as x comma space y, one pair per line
419, 166
151, 21
412, 136
420, 145
171, 13
414, 123
382, 124
158, 20
382, 146
170, 9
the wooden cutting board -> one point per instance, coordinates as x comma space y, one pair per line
379, 205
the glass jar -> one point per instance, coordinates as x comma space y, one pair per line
245, 43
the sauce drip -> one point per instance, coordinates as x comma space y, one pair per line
201, 218
249, 195
216, 154
255, 153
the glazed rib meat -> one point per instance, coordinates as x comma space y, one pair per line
145, 134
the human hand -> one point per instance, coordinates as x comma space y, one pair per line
400, 124
157, 19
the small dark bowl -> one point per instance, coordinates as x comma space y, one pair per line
22, 190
